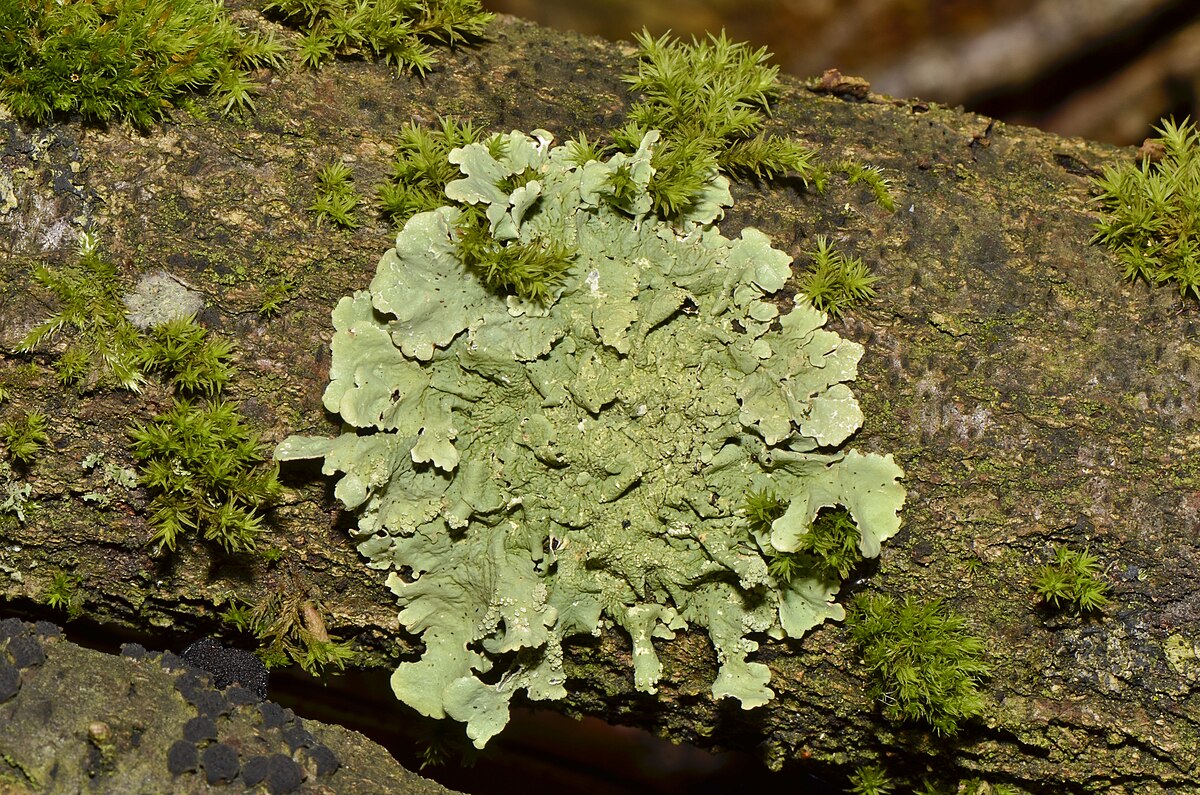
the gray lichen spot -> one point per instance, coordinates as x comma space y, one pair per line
159, 298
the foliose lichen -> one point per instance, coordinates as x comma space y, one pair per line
533, 470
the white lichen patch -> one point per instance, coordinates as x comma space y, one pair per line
159, 298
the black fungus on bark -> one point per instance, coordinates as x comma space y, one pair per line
220, 763
228, 666
182, 758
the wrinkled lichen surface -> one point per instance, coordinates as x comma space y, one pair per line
532, 472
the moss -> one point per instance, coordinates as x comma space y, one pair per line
200, 459
1071, 581
130, 60
827, 550
335, 200
398, 31
1150, 211
104, 348
835, 282
275, 294
871, 780
63, 593
421, 168
710, 100
925, 666
23, 437
291, 629
202, 463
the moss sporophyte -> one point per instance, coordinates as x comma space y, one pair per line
634, 446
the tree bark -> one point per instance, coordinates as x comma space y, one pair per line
1031, 394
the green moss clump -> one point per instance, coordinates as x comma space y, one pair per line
105, 348
871, 176
530, 269
127, 60
1150, 212
201, 461
181, 350
63, 594
871, 780
421, 168
1071, 581
398, 31
835, 282
710, 100
336, 200
926, 667
291, 630
200, 458
24, 437
828, 550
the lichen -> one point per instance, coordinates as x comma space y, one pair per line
533, 470
160, 298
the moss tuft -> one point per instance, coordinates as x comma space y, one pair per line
292, 630
24, 437
710, 100
1150, 212
926, 667
422, 169
835, 282
336, 200
201, 461
127, 60
400, 32
1071, 581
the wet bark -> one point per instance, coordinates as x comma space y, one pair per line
1032, 396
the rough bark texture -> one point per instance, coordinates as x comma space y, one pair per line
1032, 396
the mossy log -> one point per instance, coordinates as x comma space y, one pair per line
1032, 395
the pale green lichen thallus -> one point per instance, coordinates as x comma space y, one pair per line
540, 469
